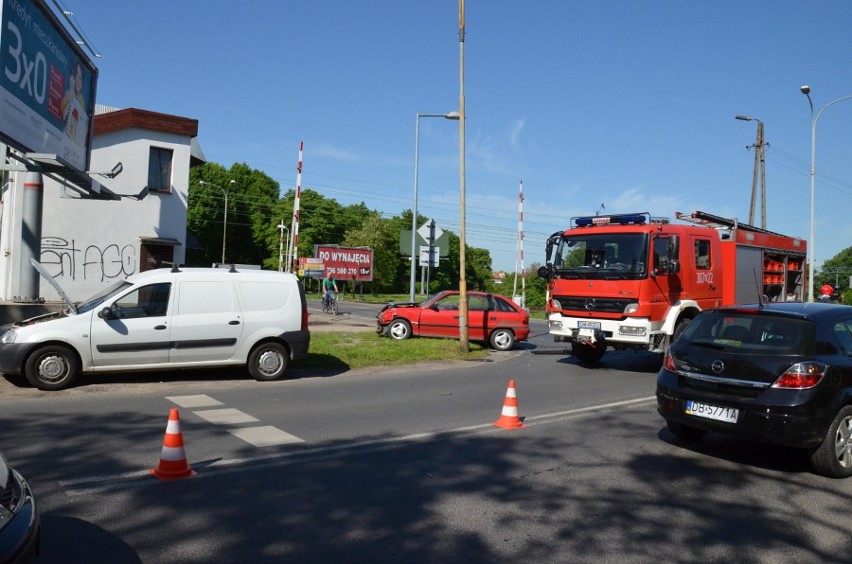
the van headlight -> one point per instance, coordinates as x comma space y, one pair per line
8, 337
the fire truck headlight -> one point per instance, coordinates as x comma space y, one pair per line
631, 308
631, 331
556, 304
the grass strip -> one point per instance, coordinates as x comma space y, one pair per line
332, 350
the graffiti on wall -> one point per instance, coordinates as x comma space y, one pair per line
66, 259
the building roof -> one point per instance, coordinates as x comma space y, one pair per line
117, 120
109, 119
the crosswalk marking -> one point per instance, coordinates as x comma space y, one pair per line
194, 401
265, 436
259, 436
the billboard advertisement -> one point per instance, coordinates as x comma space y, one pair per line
47, 85
346, 263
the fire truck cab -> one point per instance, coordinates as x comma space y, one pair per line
633, 281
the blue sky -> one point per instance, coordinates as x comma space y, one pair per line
622, 103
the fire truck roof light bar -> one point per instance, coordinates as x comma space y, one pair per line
622, 219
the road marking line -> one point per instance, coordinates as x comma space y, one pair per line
218, 467
227, 416
265, 436
194, 401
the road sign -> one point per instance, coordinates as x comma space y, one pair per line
424, 255
405, 243
424, 230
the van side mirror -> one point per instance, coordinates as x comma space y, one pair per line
106, 313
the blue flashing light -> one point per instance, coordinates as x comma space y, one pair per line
622, 219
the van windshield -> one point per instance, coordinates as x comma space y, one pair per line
102, 296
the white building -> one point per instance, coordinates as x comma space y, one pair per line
87, 244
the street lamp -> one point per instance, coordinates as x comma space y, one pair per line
806, 90
450, 115
225, 226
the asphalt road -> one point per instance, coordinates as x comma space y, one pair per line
405, 465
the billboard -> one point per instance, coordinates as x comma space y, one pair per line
47, 85
346, 263
311, 267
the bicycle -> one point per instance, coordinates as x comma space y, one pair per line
329, 304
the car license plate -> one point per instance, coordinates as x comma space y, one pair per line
588, 325
726, 414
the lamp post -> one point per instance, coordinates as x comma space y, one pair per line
225, 225
806, 90
759, 165
450, 115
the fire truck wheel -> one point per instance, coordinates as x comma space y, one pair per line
588, 353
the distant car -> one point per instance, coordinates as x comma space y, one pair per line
20, 532
779, 373
492, 318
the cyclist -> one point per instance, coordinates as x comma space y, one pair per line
329, 289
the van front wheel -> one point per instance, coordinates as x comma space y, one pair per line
53, 367
268, 361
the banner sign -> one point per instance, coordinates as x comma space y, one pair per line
346, 263
311, 267
47, 85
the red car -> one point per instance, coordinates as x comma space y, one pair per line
492, 318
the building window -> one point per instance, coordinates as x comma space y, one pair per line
160, 170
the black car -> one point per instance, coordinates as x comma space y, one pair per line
19, 520
779, 373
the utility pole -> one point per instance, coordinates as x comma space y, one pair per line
463, 324
759, 168
759, 171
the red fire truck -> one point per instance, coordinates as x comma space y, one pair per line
633, 281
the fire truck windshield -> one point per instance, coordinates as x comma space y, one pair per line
603, 255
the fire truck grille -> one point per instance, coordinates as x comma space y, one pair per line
601, 305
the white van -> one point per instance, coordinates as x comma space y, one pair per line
163, 319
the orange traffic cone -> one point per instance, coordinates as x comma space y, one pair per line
509, 416
173, 464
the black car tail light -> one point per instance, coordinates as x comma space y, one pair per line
802, 375
668, 362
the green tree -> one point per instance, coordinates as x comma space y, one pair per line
536, 288
835, 271
477, 268
379, 235
251, 197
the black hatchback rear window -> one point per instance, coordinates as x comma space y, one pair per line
750, 332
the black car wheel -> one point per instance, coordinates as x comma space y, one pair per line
685, 432
268, 361
588, 353
502, 339
53, 367
399, 329
833, 458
